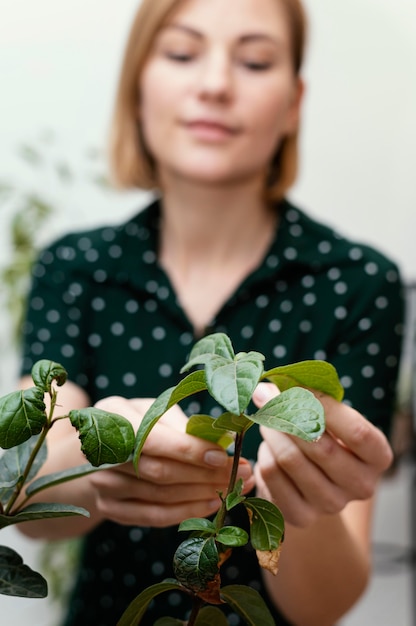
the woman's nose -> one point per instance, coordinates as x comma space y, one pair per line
216, 79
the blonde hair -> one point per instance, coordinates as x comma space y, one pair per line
131, 163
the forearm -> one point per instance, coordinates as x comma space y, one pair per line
324, 568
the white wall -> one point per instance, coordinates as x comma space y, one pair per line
58, 68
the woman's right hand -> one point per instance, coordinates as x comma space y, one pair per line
179, 475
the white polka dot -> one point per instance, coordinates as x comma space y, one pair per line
247, 332
340, 288
392, 276
150, 306
262, 302
108, 234
186, 339
341, 312
91, 256
381, 302
365, 323
367, 371
272, 261
292, 215
47, 257
279, 351
324, 247
158, 568
72, 330
309, 299
37, 348
129, 379
163, 293
149, 257
158, 333
44, 335
117, 329
305, 326
275, 326
373, 349
334, 273
193, 408
135, 343
136, 535
37, 304
165, 370
290, 253
100, 276
308, 281
346, 381
296, 230
378, 393
132, 306
102, 382
38, 270
115, 252
355, 254
151, 286
74, 314
67, 351
75, 289
53, 316
371, 269
65, 253
216, 411
98, 304
84, 243
344, 348
95, 340
286, 306
320, 355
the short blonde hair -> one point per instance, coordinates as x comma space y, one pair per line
131, 163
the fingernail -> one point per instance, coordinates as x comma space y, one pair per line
264, 392
216, 458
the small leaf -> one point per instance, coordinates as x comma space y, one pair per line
22, 415
216, 344
317, 375
195, 563
105, 437
198, 523
248, 604
193, 383
211, 616
41, 510
232, 383
266, 524
232, 536
232, 422
202, 426
13, 464
234, 498
137, 608
17, 579
44, 372
295, 411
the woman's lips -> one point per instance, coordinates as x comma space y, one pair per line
207, 130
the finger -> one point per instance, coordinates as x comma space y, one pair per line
263, 393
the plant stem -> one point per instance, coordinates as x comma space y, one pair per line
233, 479
195, 611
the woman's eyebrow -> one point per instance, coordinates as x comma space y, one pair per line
246, 38
185, 29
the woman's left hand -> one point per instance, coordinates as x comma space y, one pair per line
307, 480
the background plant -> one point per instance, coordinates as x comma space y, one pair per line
107, 438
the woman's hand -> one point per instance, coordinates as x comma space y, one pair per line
307, 480
179, 475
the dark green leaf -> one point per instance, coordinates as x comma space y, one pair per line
169, 621
22, 415
42, 510
137, 608
211, 616
44, 372
198, 523
266, 524
195, 563
295, 411
202, 426
232, 536
232, 422
13, 464
234, 498
105, 437
232, 383
193, 383
318, 375
248, 604
217, 344
17, 579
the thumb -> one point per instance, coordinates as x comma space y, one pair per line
264, 392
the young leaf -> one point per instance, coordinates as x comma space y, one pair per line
22, 415
232, 383
44, 372
317, 375
195, 563
137, 608
41, 511
198, 523
13, 464
232, 536
234, 498
105, 437
203, 426
234, 423
266, 524
216, 344
295, 411
248, 604
193, 383
210, 615
17, 579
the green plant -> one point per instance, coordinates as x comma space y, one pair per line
108, 439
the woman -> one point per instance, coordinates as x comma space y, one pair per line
208, 114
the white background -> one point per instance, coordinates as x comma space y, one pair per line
58, 66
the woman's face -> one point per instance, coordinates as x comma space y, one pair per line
218, 92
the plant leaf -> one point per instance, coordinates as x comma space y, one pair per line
232, 422
266, 524
249, 605
44, 372
50, 480
22, 415
216, 344
232, 383
193, 383
232, 536
169, 621
41, 510
295, 411
105, 437
210, 616
317, 375
198, 523
234, 498
195, 563
202, 426
17, 579
13, 463
138, 606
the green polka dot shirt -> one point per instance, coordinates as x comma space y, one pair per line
101, 305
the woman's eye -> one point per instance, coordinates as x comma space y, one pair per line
180, 57
257, 66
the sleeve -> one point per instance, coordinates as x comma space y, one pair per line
56, 312
368, 347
